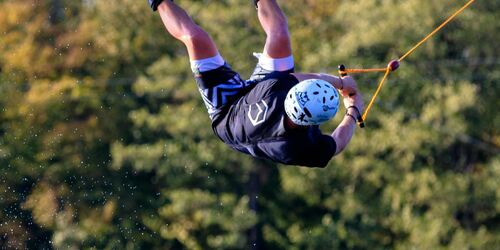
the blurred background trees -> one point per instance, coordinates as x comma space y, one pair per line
105, 142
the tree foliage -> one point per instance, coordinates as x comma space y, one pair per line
105, 142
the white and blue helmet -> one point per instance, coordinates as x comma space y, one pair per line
311, 102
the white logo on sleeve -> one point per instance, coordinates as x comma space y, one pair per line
257, 113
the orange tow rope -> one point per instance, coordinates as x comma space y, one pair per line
393, 65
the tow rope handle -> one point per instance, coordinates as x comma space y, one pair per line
359, 118
394, 64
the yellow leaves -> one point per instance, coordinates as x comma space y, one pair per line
143, 157
451, 98
43, 203
447, 106
324, 8
71, 236
21, 26
295, 233
78, 46
194, 211
45, 97
21, 52
65, 88
421, 186
384, 25
13, 13
300, 181
172, 82
30, 44
422, 205
44, 91
188, 202
109, 211
98, 221
47, 212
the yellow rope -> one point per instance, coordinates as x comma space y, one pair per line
354, 71
367, 110
388, 69
437, 29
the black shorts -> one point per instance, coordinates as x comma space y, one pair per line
222, 86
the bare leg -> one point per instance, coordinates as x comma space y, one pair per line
198, 43
275, 25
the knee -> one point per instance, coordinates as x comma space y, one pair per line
279, 28
195, 35
280, 36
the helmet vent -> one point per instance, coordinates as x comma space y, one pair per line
307, 112
324, 99
315, 92
319, 86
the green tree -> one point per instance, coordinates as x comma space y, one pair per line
105, 142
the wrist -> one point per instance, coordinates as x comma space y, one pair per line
155, 3
350, 117
354, 113
353, 110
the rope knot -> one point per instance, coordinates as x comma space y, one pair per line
393, 65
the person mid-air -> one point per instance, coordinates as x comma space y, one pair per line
275, 113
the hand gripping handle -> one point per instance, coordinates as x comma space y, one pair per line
359, 118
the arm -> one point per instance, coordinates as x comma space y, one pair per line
333, 80
352, 97
344, 132
346, 85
